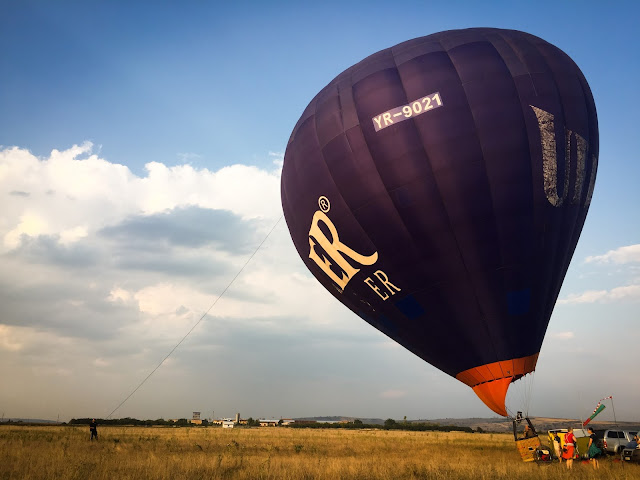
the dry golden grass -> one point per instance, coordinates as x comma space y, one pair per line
28, 452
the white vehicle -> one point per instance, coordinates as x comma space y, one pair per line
614, 441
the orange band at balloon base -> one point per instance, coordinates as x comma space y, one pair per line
491, 381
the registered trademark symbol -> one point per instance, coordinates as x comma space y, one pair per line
324, 204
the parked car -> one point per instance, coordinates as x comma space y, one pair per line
631, 455
614, 441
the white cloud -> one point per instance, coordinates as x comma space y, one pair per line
159, 277
118, 294
101, 362
393, 394
244, 190
630, 293
16, 338
622, 255
9, 338
28, 224
589, 296
73, 193
167, 299
277, 158
187, 157
73, 234
563, 335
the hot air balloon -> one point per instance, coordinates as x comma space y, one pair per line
438, 189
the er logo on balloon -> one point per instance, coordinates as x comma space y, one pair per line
334, 255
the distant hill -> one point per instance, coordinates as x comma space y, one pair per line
542, 424
333, 419
496, 424
29, 420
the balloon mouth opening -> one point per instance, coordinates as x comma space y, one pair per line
493, 394
492, 380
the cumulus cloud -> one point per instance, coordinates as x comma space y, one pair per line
630, 293
106, 252
16, 338
9, 338
188, 227
563, 335
30, 225
118, 294
393, 394
187, 157
277, 158
622, 255
73, 193
100, 362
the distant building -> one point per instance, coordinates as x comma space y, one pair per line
288, 421
195, 420
268, 423
228, 424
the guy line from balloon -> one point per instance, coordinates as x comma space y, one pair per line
336, 250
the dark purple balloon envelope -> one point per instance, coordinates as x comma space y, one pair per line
438, 189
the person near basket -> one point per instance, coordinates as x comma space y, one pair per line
594, 450
569, 447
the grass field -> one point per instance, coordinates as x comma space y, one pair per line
54, 452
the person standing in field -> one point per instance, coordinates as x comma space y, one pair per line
570, 446
557, 447
93, 428
594, 451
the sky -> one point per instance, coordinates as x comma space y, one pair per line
141, 145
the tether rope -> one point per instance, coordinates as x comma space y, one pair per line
200, 320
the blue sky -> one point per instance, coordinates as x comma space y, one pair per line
128, 129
